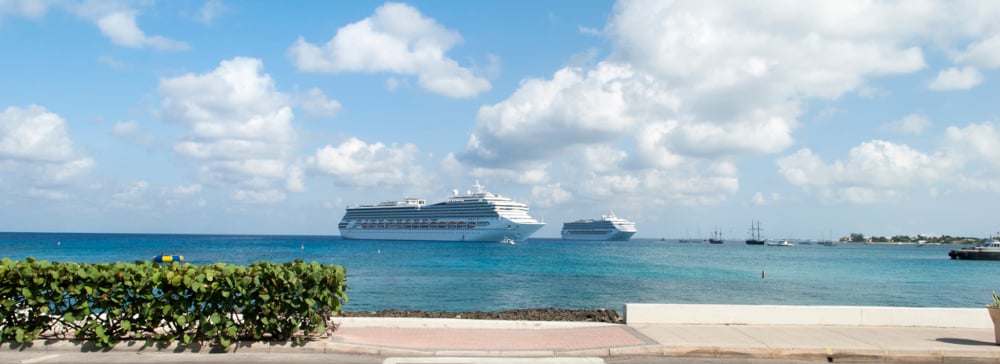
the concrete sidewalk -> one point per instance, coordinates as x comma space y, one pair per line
814, 334
451, 338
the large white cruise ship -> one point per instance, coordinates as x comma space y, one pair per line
607, 228
474, 216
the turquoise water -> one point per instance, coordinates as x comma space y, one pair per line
467, 276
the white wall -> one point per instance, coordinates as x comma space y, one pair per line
684, 314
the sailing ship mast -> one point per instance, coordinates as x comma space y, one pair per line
755, 238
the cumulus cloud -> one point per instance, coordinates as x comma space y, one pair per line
909, 124
759, 199
192, 189
115, 19
131, 132
316, 104
33, 134
874, 171
956, 79
37, 153
132, 196
396, 39
26, 8
357, 163
689, 184
211, 10
550, 195
689, 84
877, 171
257, 197
240, 127
975, 142
545, 117
122, 29
984, 53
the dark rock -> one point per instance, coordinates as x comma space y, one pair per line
528, 314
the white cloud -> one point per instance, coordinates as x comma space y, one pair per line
874, 171
546, 117
315, 103
37, 153
240, 126
589, 30
33, 134
550, 195
121, 28
601, 158
63, 172
688, 184
909, 124
131, 132
111, 62
956, 79
759, 199
115, 19
690, 85
880, 171
396, 39
984, 53
975, 142
211, 10
26, 8
393, 83
294, 182
357, 163
48, 194
132, 196
787, 49
534, 173
192, 189
257, 197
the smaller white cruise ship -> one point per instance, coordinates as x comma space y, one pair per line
607, 228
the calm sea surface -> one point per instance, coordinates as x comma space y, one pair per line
466, 276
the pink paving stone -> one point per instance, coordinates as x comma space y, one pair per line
489, 339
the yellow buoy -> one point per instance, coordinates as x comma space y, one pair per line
162, 258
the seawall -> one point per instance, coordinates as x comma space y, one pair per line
691, 314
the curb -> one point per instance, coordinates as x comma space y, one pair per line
708, 352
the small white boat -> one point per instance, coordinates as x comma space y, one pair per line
782, 243
507, 240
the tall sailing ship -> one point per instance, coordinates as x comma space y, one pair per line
716, 237
473, 216
755, 238
607, 228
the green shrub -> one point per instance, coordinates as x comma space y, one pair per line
217, 303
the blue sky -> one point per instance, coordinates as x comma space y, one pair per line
817, 118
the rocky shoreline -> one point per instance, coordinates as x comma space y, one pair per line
530, 314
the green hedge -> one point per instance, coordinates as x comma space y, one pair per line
217, 303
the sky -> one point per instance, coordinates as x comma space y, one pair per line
817, 118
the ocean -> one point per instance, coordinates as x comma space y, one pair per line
469, 276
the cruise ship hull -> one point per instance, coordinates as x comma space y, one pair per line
616, 235
518, 233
